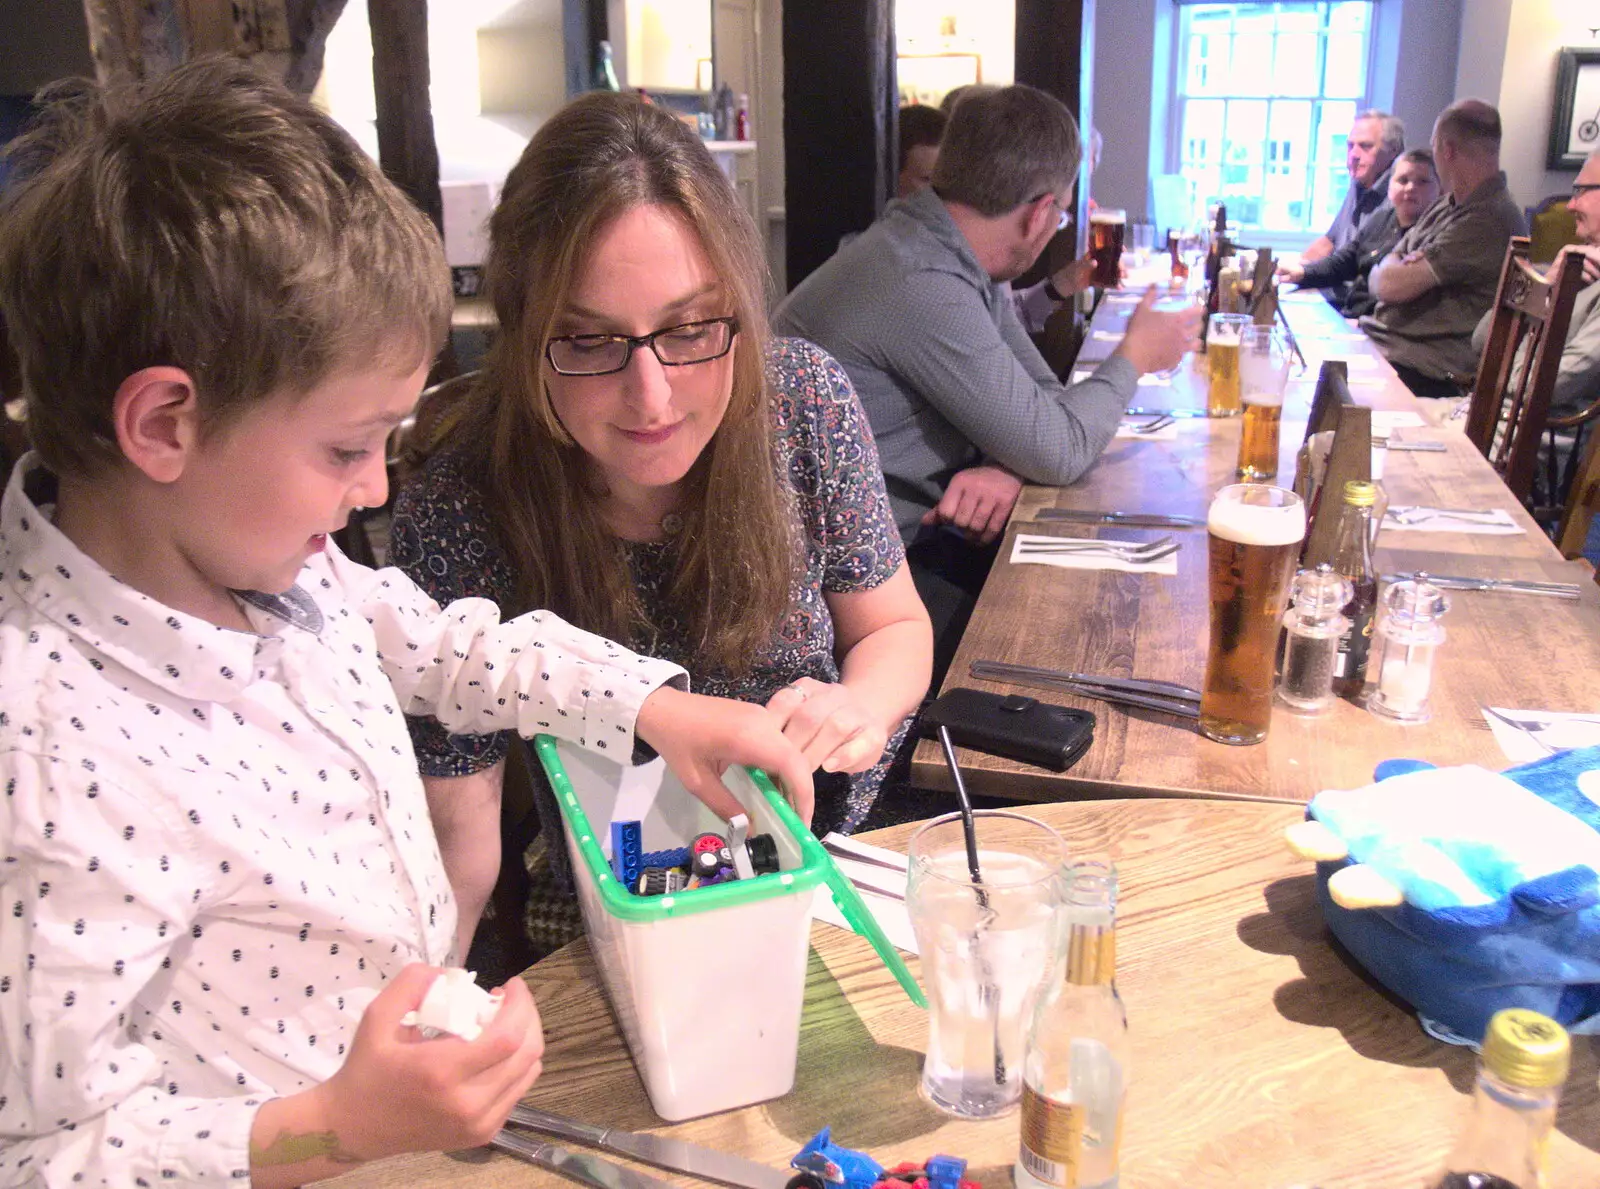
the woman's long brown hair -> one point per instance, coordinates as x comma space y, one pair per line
738, 552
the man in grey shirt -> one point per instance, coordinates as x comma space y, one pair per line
917, 309
1376, 139
1441, 277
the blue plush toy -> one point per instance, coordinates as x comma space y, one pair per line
1465, 891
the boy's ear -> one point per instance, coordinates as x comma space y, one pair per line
157, 419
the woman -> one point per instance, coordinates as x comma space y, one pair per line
641, 458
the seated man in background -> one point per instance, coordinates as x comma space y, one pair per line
1578, 380
1442, 275
1413, 188
1376, 139
918, 310
920, 129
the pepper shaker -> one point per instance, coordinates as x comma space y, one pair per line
1313, 624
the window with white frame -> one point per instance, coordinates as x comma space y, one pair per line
1265, 94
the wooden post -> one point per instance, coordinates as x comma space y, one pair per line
400, 78
840, 122
1055, 52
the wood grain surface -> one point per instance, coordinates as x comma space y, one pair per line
1502, 649
1262, 1057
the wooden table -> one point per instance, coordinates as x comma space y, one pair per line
1261, 1058
1503, 649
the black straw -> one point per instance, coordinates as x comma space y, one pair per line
969, 828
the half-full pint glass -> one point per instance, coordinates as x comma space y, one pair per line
1222, 354
1107, 229
989, 951
1255, 532
1263, 376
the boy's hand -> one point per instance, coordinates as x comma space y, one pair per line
830, 725
400, 1092
700, 738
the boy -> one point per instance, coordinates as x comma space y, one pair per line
222, 888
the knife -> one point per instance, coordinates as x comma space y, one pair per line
1131, 519
661, 1151
1559, 590
1422, 447
1141, 411
580, 1166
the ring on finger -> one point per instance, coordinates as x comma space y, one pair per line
799, 689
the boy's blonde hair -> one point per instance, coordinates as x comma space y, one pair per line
210, 221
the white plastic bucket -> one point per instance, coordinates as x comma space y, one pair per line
707, 984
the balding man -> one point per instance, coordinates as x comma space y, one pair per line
1440, 279
1376, 139
1578, 380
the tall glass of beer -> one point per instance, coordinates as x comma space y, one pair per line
1222, 356
1255, 532
1263, 376
1106, 232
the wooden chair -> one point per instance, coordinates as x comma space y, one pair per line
1583, 498
1511, 399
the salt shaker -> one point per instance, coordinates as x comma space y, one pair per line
1313, 625
1405, 641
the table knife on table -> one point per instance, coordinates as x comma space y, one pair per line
1141, 411
1130, 519
662, 1151
1559, 590
580, 1166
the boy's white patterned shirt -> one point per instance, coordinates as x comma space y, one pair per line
214, 845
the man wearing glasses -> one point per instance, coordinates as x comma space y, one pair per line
1578, 380
1440, 279
918, 310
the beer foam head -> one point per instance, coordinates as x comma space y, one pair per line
1257, 524
1106, 215
1270, 400
1223, 336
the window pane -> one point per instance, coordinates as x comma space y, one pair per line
1267, 93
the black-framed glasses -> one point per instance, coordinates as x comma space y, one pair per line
1579, 189
674, 346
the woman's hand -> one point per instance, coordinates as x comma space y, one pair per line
830, 725
700, 738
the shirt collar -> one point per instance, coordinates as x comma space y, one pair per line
1380, 186
184, 654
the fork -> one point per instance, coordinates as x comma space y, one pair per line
1155, 425
1415, 515
1154, 551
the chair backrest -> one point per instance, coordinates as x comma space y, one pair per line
1583, 501
413, 438
1551, 227
1527, 332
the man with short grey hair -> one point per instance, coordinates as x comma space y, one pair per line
918, 311
1441, 277
1376, 139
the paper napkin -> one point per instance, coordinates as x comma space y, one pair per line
1501, 526
1088, 561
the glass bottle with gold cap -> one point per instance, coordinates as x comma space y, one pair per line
1520, 1074
1075, 1071
1352, 557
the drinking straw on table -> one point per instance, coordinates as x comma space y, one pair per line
969, 829
1284, 318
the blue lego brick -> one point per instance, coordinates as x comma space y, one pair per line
626, 859
678, 856
944, 1172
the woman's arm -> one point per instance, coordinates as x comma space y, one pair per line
466, 819
885, 646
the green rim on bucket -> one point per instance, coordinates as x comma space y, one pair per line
817, 867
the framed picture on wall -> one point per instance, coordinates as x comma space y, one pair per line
1575, 123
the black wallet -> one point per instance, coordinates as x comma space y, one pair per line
1013, 726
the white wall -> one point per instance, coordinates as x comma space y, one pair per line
1517, 73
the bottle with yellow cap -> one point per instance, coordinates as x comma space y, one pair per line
1352, 557
1521, 1070
1075, 1069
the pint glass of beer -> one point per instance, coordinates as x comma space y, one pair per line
1222, 355
1255, 532
1106, 231
1263, 376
